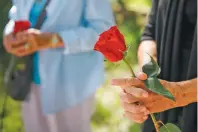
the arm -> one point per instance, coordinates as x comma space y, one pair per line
148, 44
99, 17
149, 47
185, 92
15, 43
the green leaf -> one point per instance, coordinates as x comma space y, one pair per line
169, 128
154, 85
152, 69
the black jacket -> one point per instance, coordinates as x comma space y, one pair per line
165, 27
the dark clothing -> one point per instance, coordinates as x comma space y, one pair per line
188, 23
172, 24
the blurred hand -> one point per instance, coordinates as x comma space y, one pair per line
138, 102
21, 44
29, 41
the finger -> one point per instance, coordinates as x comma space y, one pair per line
22, 51
137, 92
127, 82
6, 45
142, 76
138, 118
21, 36
133, 108
125, 97
18, 44
10, 38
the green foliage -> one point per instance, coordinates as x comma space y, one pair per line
12, 116
169, 128
135, 128
101, 114
4, 6
153, 70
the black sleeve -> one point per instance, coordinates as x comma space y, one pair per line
149, 30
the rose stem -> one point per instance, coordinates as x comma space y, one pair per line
128, 64
155, 122
152, 115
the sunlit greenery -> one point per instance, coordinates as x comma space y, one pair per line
130, 17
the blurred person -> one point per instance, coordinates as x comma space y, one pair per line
67, 72
171, 38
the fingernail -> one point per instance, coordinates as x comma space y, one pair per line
145, 94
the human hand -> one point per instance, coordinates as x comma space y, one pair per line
19, 43
138, 102
29, 41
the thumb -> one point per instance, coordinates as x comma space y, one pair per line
142, 76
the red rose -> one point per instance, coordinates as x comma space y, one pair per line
111, 44
21, 26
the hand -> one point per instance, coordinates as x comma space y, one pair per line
27, 42
138, 102
12, 41
21, 43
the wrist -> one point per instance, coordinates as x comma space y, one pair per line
48, 40
185, 92
56, 41
181, 94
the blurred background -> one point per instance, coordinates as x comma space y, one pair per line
130, 16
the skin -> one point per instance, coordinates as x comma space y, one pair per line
143, 49
134, 90
16, 43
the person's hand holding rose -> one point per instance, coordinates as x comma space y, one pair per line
138, 102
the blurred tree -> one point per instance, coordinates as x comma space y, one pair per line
4, 6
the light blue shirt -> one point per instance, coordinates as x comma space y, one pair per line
71, 74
